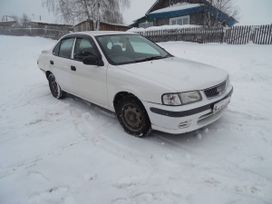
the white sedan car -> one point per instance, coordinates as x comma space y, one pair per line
145, 86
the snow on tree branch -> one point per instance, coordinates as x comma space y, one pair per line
73, 11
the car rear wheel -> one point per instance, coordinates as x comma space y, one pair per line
54, 87
133, 116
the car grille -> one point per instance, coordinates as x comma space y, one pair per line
216, 90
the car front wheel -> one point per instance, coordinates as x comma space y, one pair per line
133, 117
54, 87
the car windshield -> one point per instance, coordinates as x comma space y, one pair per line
130, 48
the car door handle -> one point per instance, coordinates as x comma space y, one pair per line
73, 68
51, 62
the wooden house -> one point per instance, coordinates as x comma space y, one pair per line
184, 12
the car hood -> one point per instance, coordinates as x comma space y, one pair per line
177, 74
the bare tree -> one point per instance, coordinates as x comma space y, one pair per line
24, 20
73, 11
212, 17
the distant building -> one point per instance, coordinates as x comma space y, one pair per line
7, 18
184, 12
90, 25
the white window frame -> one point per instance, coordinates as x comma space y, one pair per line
173, 21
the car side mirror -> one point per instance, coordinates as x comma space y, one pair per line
93, 60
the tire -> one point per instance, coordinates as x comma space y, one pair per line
54, 87
133, 116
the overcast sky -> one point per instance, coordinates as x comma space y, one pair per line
251, 11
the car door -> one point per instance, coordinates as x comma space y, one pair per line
60, 63
89, 80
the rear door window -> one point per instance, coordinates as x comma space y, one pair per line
66, 47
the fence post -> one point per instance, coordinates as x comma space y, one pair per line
253, 35
270, 34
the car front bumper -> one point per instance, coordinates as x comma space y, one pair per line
187, 118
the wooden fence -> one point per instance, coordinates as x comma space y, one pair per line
261, 34
49, 30
41, 32
235, 35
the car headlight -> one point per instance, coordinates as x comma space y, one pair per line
190, 97
177, 99
171, 99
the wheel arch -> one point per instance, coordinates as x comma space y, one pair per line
121, 94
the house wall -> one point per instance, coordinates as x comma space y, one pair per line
197, 19
212, 21
89, 26
84, 26
162, 22
112, 27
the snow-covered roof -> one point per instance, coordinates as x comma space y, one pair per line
177, 7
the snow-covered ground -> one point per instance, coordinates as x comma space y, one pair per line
72, 152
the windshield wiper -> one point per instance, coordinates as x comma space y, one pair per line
150, 58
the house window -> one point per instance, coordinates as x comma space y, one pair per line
145, 24
183, 20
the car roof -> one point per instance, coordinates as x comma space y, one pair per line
100, 33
